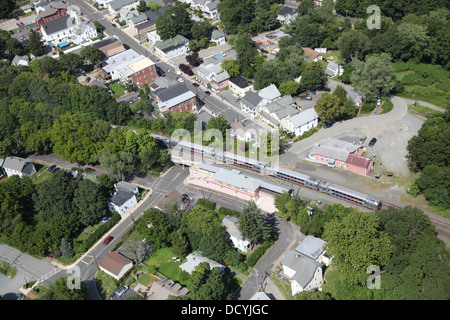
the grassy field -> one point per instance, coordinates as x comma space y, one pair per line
118, 89
422, 111
160, 259
426, 82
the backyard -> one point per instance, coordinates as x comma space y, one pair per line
118, 89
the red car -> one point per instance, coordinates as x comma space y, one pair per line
107, 240
254, 34
50, 255
21, 23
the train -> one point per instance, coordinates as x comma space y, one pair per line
262, 167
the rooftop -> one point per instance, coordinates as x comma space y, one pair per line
303, 117
114, 262
304, 266
270, 92
334, 148
311, 247
241, 82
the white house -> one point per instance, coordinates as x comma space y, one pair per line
172, 48
312, 54
334, 70
213, 74
269, 94
124, 197
115, 6
314, 248
17, 166
303, 273
286, 15
231, 226
102, 3
278, 111
115, 265
153, 36
195, 258
218, 37
239, 85
20, 60
68, 28
302, 122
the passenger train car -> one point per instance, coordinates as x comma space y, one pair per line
265, 168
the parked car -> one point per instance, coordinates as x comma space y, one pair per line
51, 168
161, 73
390, 174
305, 98
50, 255
254, 34
195, 84
104, 220
377, 176
326, 89
87, 79
178, 73
181, 80
54, 170
20, 296
122, 290
208, 93
372, 142
107, 240
379, 102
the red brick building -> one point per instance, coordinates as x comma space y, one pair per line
175, 99
51, 11
144, 72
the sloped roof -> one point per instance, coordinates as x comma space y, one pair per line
251, 99
194, 259
334, 148
114, 262
270, 92
303, 117
358, 161
310, 53
231, 226
14, 163
304, 266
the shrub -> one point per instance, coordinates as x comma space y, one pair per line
229, 212
206, 203
258, 253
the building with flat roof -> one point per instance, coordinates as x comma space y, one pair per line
131, 66
236, 184
240, 85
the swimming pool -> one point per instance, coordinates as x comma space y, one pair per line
218, 57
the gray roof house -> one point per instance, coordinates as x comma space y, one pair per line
302, 122
17, 166
172, 48
303, 273
218, 37
124, 197
195, 258
276, 112
286, 15
231, 226
269, 93
20, 60
115, 5
333, 69
172, 96
251, 102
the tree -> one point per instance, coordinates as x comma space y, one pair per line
173, 21
356, 242
289, 88
91, 54
374, 77
232, 67
155, 227
252, 225
60, 290
353, 44
246, 50
35, 44
201, 29
90, 201
142, 6
328, 108
6, 8
414, 42
218, 123
180, 245
205, 233
313, 76
66, 248
430, 146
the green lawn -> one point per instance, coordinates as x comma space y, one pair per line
41, 174
118, 89
426, 82
160, 259
422, 111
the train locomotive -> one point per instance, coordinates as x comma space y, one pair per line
265, 168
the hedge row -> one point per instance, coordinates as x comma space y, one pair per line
228, 212
258, 253
97, 234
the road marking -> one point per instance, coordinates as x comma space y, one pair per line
176, 176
